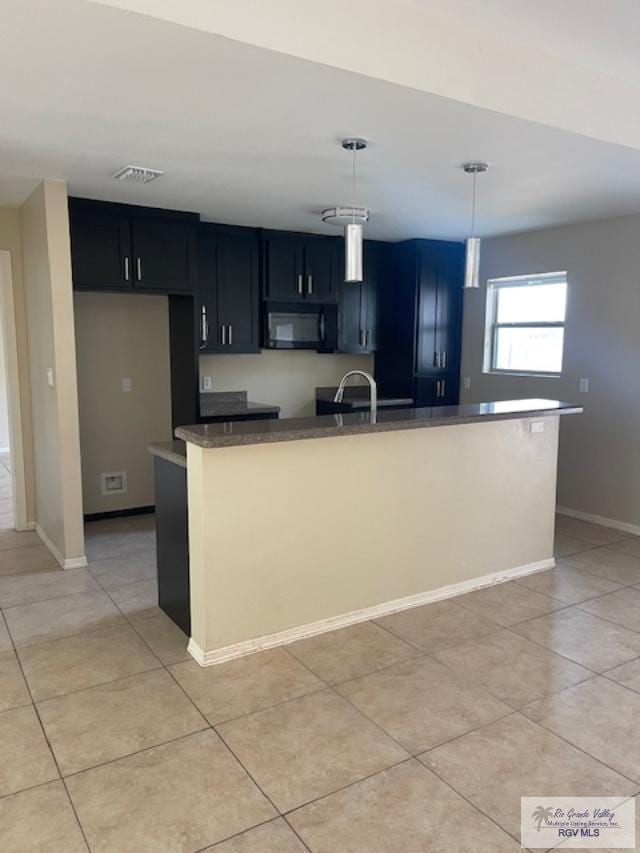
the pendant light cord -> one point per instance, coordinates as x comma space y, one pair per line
353, 205
473, 206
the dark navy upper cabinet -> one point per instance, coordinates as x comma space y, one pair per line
283, 266
420, 322
164, 257
228, 288
100, 249
321, 274
299, 267
358, 315
122, 247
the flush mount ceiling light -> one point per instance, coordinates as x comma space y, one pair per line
353, 219
472, 267
137, 174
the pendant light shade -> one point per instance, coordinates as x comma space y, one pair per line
472, 266
353, 247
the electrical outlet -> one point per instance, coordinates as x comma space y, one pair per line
584, 386
207, 383
50, 376
127, 384
466, 383
537, 426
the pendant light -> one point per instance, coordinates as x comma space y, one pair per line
472, 266
353, 219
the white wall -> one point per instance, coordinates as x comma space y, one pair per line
121, 335
46, 257
284, 378
403, 513
599, 464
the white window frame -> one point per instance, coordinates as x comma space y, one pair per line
491, 325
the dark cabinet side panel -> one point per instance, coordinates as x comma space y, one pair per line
397, 295
172, 531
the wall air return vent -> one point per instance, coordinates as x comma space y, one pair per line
137, 174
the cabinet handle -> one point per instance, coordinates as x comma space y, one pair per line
300, 284
310, 284
204, 328
436, 359
367, 334
361, 337
443, 359
223, 333
438, 389
230, 335
126, 267
139, 268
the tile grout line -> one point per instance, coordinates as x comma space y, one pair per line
242, 832
360, 711
583, 751
53, 756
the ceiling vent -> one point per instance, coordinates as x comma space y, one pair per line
137, 174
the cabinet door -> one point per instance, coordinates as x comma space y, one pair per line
321, 269
437, 390
237, 277
350, 337
283, 267
208, 320
449, 306
373, 272
100, 249
164, 254
427, 273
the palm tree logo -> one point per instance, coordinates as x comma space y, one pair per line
542, 814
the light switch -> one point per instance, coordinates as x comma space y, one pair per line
466, 383
584, 386
127, 384
50, 376
207, 383
537, 426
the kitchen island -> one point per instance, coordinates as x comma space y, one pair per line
303, 525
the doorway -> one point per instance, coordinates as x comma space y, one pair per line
16, 467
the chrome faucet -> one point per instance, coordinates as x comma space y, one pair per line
372, 386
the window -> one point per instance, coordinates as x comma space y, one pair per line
525, 324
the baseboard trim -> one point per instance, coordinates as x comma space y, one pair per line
599, 519
119, 513
313, 629
65, 563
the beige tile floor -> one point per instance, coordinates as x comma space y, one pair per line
417, 733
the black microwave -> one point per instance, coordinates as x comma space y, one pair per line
295, 326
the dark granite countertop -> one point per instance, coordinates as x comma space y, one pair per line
172, 451
220, 404
357, 397
325, 426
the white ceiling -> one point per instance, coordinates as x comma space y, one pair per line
601, 35
250, 136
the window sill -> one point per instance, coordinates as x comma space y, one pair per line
523, 373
